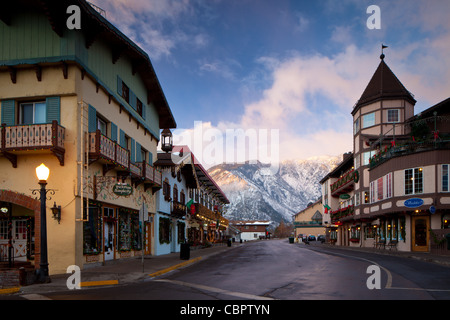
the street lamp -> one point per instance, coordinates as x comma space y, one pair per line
42, 173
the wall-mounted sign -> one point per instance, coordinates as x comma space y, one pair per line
413, 203
344, 196
122, 189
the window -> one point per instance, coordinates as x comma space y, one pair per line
33, 112
125, 92
445, 180
381, 188
366, 157
368, 120
413, 181
175, 193
393, 115
356, 126
166, 190
139, 107
101, 125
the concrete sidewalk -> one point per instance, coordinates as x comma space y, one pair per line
125, 271
423, 256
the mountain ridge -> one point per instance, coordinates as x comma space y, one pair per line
257, 194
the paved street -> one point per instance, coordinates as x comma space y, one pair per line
278, 270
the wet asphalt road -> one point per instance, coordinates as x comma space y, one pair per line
278, 270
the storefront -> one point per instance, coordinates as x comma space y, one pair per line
112, 232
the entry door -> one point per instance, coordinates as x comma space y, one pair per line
108, 233
420, 234
19, 239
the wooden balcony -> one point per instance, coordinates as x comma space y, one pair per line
178, 209
344, 184
108, 152
151, 177
209, 216
36, 138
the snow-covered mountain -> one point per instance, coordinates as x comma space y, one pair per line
254, 194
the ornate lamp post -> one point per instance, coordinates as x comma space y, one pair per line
42, 173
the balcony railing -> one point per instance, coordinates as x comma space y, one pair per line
113, 156
150, 174
178, 209
345, 183
410, 148
33, 137
342, 213
108, 151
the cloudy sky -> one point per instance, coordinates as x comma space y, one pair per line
288, 70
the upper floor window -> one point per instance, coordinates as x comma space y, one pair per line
125, 92
413, 181
33, 112
356, 126
101, 125
393, 115
368, 120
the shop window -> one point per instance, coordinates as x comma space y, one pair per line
164, 230
92, 233
124, 230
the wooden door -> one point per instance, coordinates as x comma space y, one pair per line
420, 233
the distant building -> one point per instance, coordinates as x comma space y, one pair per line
252, 229
310, 221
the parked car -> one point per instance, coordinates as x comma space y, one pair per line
321, 238
311, 238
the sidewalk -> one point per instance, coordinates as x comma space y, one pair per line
424, 256
120, 272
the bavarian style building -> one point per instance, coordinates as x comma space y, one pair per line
86, 103
392, 191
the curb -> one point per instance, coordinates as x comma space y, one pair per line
177, 266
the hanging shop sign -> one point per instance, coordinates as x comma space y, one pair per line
121, 189
413, 203
344, 196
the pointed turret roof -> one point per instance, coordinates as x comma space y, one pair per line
383, 85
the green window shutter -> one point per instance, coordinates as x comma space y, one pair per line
144, 107
150, 158
113, 132
53, 109
92, 121
133, 101
138, 152
123, 142
119, 86
8, 112
133, 151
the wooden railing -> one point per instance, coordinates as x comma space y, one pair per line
25, 137
101, 147
32, 137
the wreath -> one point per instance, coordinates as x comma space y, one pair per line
356, 176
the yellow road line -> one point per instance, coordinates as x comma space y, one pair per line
160, 272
